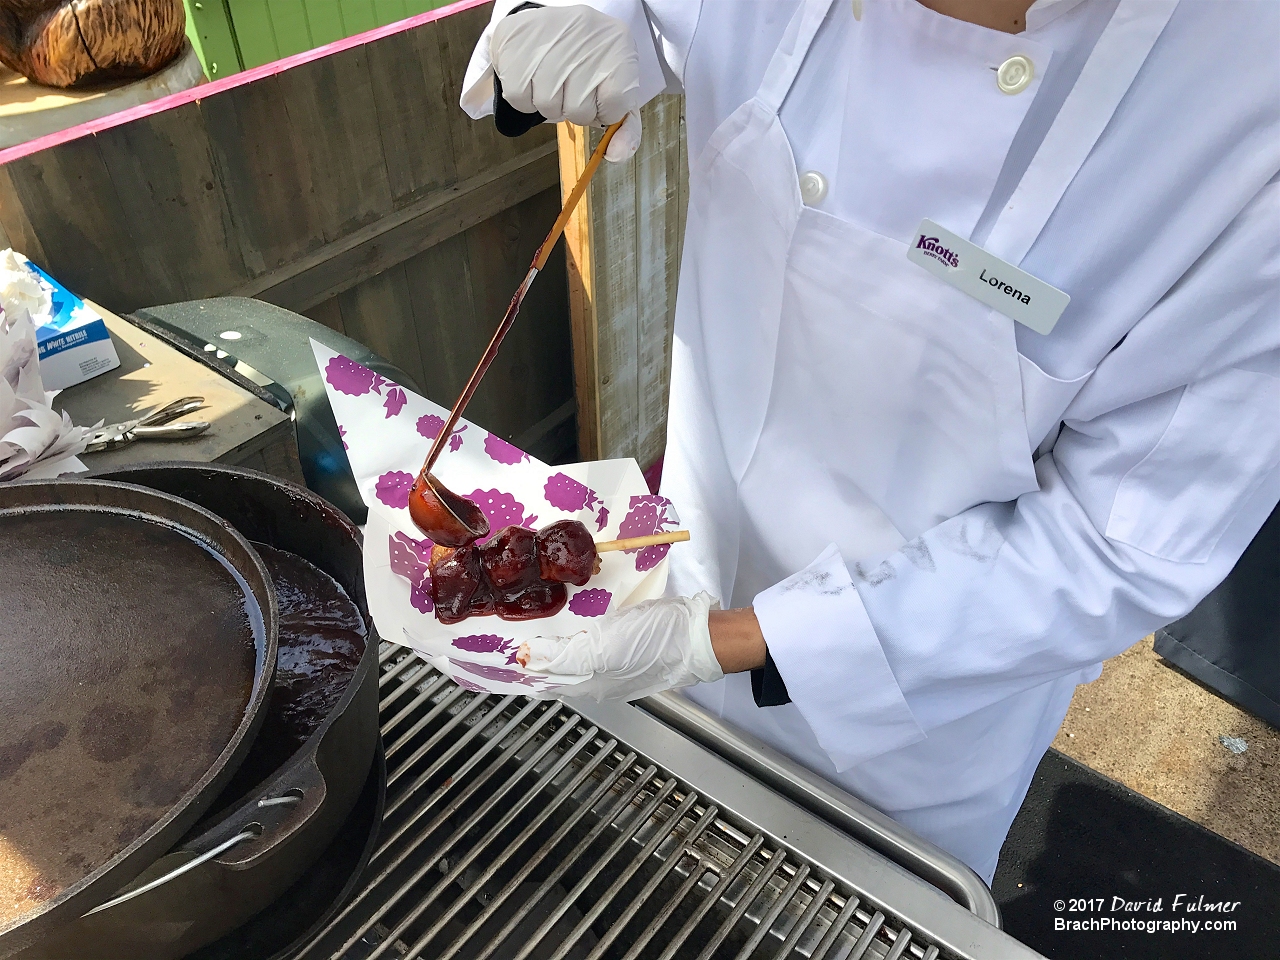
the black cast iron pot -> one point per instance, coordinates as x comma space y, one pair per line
246, 855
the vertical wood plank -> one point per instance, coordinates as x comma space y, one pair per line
334, 122
460, 289
267, 174
533, 374
658, 218
379, 313
449, 338
15, 220
67, 192
495, 251
173, 201
580, 267
413, 112
616, 231
624, 252
329, 313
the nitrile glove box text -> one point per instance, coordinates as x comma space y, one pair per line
72, 339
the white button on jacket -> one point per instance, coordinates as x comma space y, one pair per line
946, 521
813, 187
1015, 74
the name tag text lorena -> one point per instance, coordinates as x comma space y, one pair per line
1005, 288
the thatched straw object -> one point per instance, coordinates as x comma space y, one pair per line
62, 44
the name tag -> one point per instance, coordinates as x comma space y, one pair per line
1002, 286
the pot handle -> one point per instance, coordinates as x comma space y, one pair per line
297, 797
247, 833
284, 813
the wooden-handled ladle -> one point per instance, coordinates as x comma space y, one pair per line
445, 517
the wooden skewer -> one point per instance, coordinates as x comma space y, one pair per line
632, 543
539, 261
605, 546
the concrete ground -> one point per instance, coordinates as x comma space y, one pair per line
1161, 734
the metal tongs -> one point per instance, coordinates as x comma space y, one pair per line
155, 425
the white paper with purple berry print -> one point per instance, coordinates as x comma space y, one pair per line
387, 431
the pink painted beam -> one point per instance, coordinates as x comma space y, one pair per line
206, 90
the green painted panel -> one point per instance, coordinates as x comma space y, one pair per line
255, 32
325, 17
389, 11
210, 31
267, 30
289, 21
358, 15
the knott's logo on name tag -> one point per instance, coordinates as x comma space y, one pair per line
932, 248
1000, 285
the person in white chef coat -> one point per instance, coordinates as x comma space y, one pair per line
927, 512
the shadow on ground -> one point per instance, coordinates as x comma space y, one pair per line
1080, 836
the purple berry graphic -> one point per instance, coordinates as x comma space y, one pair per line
420, 596
406, 561
602, 519
482, 643
395, 402
501, 451
342, 432
488, 672
429, 425
648, 514
420, 548
649, 557
471, 685
567, 494
347, 376
590, 603
502, 509
392, 488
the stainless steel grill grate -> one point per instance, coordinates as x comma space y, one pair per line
520, 830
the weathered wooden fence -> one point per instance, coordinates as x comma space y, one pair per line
623, 246
344, 183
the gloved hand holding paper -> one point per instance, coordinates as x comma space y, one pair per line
632, 652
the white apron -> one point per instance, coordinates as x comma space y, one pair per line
826, 389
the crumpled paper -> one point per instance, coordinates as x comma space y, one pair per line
35, 441
387, 432
19, 288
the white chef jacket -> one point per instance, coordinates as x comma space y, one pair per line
933, 688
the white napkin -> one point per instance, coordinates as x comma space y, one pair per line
35, 441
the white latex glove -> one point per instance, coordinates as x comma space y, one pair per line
633, 652
571, 63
